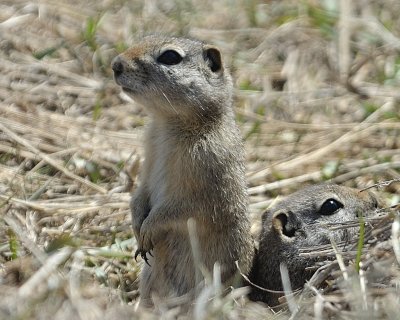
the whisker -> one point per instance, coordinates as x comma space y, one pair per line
166, 98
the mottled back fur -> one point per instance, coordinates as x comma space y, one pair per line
194, 164
300, 221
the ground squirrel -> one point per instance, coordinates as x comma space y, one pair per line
194, 164
298, 222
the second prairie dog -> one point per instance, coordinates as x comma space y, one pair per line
299, 221
194, 165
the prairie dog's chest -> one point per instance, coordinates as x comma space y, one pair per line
168, 162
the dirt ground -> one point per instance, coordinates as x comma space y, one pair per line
317, 99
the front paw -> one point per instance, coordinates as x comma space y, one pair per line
143, 254
145, 242
146, 237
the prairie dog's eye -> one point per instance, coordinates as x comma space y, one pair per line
170, 57
329, 207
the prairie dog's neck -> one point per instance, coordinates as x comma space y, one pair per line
195, 125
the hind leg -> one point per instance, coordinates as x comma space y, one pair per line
152, 283
145, 286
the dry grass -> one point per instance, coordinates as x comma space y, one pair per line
317, 99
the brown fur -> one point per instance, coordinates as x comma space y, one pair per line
194, 166
298, 222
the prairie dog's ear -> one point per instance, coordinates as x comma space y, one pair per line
213, 58
285, 223
279, 220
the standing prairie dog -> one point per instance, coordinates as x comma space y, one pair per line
301, 221
194, 165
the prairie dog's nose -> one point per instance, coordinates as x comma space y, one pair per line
117, 65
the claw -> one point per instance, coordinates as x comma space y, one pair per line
143, 254
137, 252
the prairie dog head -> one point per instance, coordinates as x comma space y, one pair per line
175, 78
303, 218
